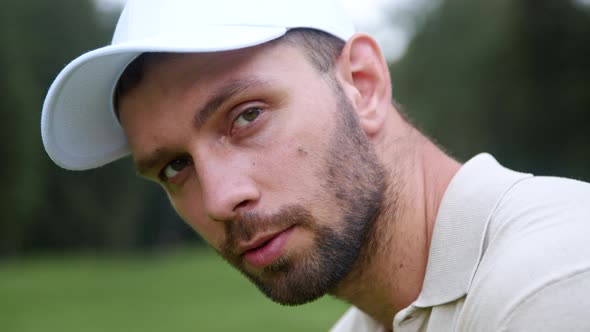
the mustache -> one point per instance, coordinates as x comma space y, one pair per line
248, 224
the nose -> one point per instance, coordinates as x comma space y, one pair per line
227, 187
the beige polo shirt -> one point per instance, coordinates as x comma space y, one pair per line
510, 252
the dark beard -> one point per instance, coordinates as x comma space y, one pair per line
355, 182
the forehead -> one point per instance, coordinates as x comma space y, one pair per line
178, 73
173, 73
204, 68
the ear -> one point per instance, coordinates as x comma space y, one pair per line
364, 76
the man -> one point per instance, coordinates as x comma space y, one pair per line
270, 126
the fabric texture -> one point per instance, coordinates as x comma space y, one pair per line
510, 252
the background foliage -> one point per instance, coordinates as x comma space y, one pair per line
504, 76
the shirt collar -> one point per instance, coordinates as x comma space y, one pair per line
458, 236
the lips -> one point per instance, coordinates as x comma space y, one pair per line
266, 249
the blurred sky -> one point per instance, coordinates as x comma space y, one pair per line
370, 16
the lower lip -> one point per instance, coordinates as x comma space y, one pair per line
264, 256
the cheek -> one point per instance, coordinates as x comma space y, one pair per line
290, 176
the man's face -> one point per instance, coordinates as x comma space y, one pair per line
264, 157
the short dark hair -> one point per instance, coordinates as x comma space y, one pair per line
321, 49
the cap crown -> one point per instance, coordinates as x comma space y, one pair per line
155, 19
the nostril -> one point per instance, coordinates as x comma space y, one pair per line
242, 204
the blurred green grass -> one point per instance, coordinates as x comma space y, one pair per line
187, 290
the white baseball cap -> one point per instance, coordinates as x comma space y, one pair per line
79, 127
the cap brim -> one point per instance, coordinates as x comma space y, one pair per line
78, 125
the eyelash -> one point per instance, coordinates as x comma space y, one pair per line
162, 175
259, 110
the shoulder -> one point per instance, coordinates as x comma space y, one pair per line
555, 302
536, 265
545, 194
561, 304
547, 207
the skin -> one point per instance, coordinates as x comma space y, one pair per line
233, 168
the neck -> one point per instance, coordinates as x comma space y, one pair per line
390, 270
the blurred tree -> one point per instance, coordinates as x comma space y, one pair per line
42, 206
507, 76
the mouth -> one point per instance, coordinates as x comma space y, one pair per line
264, 250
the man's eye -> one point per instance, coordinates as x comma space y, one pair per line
174, 167
247, 117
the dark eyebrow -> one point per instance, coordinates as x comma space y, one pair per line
145, 164
225, 92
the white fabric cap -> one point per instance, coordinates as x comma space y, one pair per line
78, 125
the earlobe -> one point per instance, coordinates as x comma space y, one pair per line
364, 76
